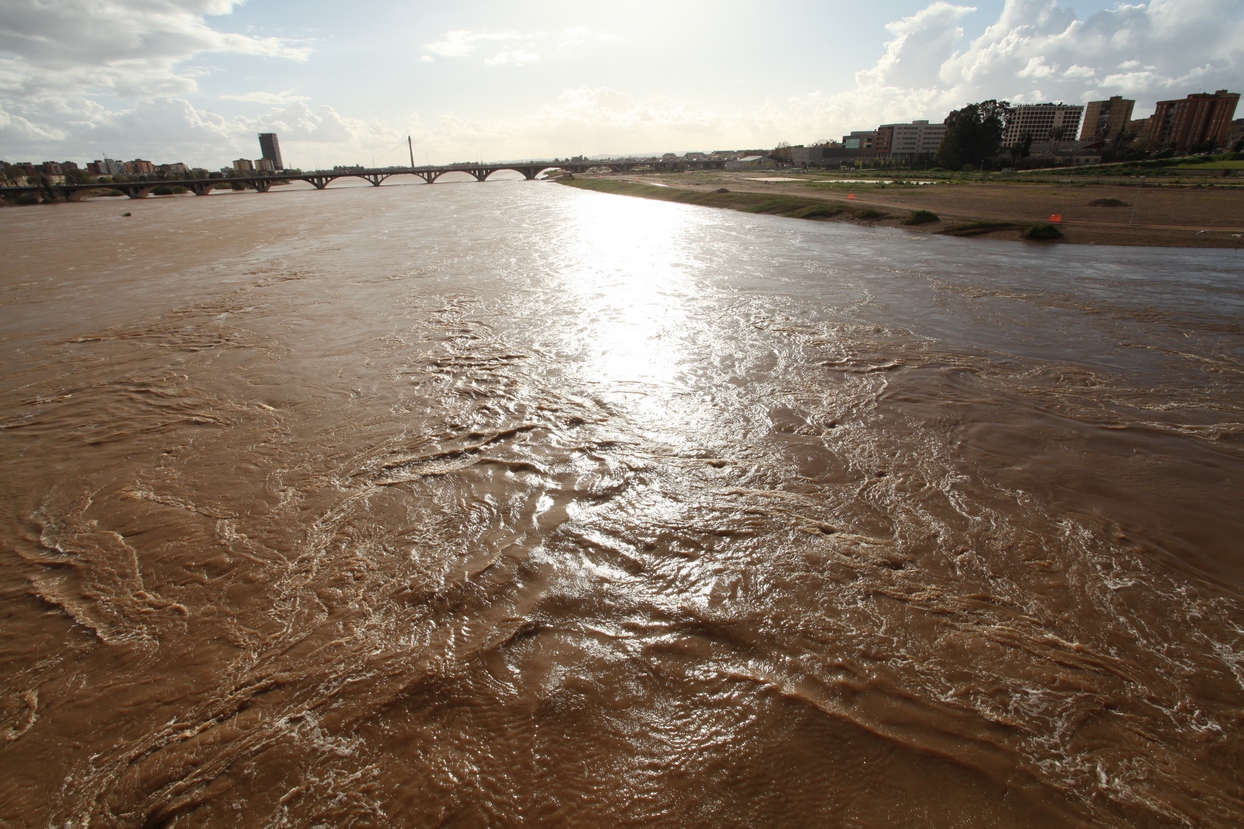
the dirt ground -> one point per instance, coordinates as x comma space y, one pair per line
1161, 215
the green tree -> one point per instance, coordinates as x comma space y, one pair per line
973, 134
46, 193
1057, 134
1119, 147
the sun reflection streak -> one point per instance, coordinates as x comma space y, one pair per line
628, 269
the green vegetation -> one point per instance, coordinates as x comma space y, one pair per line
1042, 232
870, 213
796, 207
973, 134
817, 211
977, 228
921, 217
169, 190
1162, 165
1211, 164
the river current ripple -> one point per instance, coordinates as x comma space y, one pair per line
505, 503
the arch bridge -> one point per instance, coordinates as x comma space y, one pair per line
320, 179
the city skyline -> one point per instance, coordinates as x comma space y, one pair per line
195, 81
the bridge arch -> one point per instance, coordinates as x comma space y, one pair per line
537, 170
79, 193
374, 179
527, 171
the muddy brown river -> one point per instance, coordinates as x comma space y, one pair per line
509, 504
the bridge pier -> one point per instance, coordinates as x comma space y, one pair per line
481, 173
319, 182
262, 185
374, 178
430, 176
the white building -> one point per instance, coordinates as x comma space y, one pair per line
752, 162
907, 141
1038, 119
110, 167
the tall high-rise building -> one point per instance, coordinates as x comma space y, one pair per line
271, 149
1038, 119
1198, 120
1106, 118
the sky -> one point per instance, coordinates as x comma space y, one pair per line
347, 83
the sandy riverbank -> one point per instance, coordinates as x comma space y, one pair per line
1159, 215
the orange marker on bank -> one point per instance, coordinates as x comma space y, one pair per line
850, 195
1056, 217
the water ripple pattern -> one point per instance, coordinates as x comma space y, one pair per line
508, 504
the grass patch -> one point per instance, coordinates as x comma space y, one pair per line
792, 206
921, 217
978, 228
818, 211
1108, 203
871, 213
1042, 232
1213, 165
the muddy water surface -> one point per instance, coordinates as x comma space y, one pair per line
480, 505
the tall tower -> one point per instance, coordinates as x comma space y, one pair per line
1106, 118
271, 149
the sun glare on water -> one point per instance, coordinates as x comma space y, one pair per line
629, 270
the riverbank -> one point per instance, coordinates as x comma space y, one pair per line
1091, 214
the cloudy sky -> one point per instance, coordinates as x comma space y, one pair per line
195, 80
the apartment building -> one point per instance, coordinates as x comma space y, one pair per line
905, 142
1106, 118
1200, 120
1038, 119
1235, 135
107, 167
270, 148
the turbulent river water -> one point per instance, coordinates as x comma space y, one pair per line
506, 503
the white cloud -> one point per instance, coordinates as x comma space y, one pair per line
1181, 43
269, 98
173, 129
515, 48
517, 57
57, 59
1036, 50
460, 43
920, 46
126, 48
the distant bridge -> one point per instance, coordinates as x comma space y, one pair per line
320, 179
